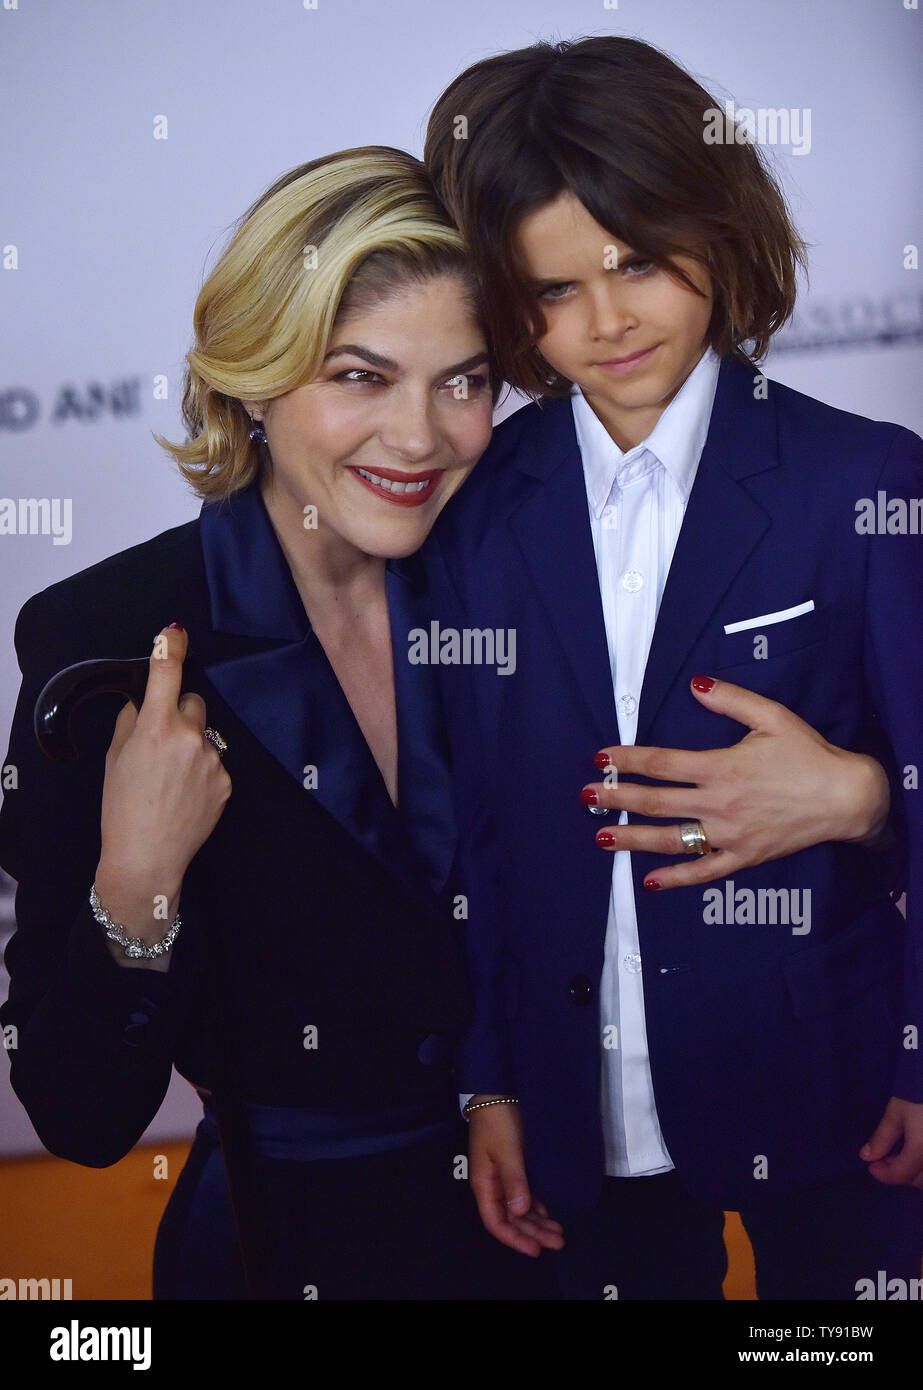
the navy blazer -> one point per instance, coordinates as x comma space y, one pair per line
312, 903
772, 1051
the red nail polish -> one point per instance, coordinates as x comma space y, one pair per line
601, 760
651, 885
589, 796
605, 838
703, 684
179, 625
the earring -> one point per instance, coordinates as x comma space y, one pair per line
257, 433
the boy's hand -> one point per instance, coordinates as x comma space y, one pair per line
902, 1119
780, 789
498, 1180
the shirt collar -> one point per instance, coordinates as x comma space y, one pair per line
676, 441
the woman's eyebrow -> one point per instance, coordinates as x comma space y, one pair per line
355, 350
375, 359
465, 366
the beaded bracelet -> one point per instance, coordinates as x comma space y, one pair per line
483, 1104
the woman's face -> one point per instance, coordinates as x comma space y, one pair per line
394, 422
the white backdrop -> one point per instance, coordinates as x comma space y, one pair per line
105, 230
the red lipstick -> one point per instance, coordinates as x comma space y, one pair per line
411, 494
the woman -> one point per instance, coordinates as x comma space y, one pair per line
287, 821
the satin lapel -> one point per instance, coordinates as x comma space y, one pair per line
425, 794
721, 527
286, 692
552, 529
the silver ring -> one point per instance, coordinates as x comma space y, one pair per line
213, 737
694, 839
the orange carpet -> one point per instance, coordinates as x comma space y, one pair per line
96, 1226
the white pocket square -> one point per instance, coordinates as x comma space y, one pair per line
766, 619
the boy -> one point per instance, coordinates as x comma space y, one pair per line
642, 1059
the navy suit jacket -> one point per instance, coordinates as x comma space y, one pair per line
772, 1051
313, 901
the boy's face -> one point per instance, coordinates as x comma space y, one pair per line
625, 331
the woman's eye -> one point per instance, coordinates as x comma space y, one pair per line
471, 384
638, 266
360, 374
555, 291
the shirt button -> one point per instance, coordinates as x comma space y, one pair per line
632, 580
632, 963
627, 704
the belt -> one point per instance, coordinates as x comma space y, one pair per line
305, 1133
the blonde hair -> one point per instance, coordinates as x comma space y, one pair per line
328, 237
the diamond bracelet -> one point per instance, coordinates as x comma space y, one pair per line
133, 946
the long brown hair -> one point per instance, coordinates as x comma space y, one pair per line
621, 126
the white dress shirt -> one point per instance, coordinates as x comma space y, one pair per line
637, 501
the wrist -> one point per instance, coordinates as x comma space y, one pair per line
145, 907
866, 800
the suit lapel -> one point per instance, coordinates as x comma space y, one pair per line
552, 530
424, 782
284, 690
721, 527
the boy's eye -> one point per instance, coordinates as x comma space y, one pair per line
637, 266
555, 291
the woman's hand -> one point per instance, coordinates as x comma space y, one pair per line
164, 791
779, 790
497, 1174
